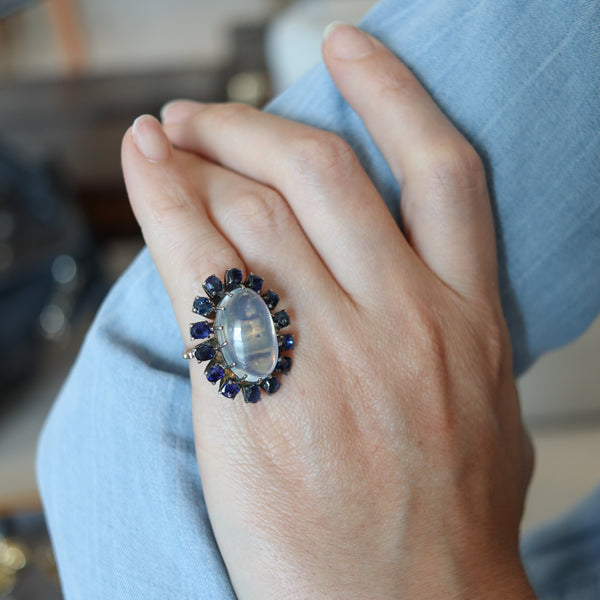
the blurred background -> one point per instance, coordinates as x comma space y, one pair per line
73, 76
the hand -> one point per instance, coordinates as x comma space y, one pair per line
393, 462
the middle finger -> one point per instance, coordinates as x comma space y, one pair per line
335, 202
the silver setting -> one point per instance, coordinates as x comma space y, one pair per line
218, 359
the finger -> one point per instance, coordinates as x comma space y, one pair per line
266, 233
334, 201
184, 243
263, 229
199, 219
269, 238
445, 207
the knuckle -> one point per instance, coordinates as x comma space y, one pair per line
174, 202
394, 85
321, 155
224, 113
457, 169
490, 337
259, 212
428, 336
496, 349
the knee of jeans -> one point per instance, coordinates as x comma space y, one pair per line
120, 412
111, 448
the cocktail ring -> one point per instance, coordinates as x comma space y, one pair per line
241, 339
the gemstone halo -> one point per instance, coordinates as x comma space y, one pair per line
240, 339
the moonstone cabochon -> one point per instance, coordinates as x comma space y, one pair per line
249, 334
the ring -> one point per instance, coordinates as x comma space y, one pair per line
240, 338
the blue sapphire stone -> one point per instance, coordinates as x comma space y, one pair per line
281, 319
212, 286
271, 385
230, 389
254, 282
284, 365
287, 342
202, 306
252, 394
205, 352
214, 373
233, 278
200, 331
271, 299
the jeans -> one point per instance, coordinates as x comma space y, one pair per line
521, 80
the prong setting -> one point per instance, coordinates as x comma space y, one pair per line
215, 349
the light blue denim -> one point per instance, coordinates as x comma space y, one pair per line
521, 79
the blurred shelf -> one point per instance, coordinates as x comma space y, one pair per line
78, 123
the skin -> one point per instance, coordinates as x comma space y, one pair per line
393, 462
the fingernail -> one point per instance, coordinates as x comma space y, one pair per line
331, 27
150, 138
177, 111
347, 42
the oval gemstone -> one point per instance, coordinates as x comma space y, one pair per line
249, 333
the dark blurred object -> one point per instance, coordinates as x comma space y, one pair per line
80, 123
46, 260
66, 28
27, 566
248, 79
9, 7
